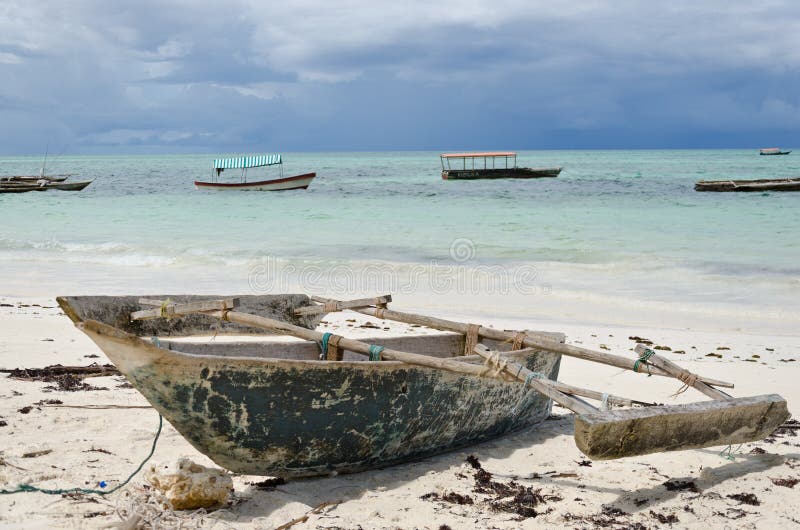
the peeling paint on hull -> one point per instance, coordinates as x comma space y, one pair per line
301, 418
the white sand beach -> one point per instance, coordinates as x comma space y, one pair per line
59, 439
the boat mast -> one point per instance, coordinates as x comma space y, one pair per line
44, 162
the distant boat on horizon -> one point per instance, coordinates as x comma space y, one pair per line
773, 151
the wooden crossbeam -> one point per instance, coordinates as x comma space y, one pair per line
168, 309
552, 389
328, 306
539, 342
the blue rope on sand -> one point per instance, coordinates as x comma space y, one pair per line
323, 355
27, 488
729, 452
375, 352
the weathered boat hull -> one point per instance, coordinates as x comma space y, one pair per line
792, 184
68, 186
500, 173
19, 187
253, 412
31, 178
299, 418
298, 182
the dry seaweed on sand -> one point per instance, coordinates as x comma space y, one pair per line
48, 373
67, 378
509, 497
785, 482
98, 450
451, 497
607, 518
664, 518
268, 484
674, 484
733, 513
789, 427
49, 402
745, 498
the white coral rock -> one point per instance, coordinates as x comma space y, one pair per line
188, 486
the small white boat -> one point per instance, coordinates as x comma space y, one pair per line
296, 182
773, 151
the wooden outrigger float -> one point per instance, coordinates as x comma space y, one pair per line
315, 406
491, 165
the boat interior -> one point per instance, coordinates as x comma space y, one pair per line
206, 335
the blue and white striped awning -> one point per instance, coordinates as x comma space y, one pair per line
241, 162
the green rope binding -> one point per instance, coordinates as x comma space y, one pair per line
528, 379
375, 352
164, 305
534, 375
26, 488
323, 354
643, 359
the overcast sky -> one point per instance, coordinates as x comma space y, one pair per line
195, 76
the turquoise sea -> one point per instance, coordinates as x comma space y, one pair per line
625, 226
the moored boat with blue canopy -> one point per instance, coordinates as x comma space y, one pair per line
246, 162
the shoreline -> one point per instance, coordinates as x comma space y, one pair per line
521, 293
632, 490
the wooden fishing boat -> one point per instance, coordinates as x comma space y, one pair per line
34, 178
20, 187
274, 408
490, 165
790, 184
76, 185
316, 406
771, 151
281, 183
297, 182
44, 184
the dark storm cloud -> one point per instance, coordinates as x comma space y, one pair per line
175, 75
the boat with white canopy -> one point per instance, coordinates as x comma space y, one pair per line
490, 165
